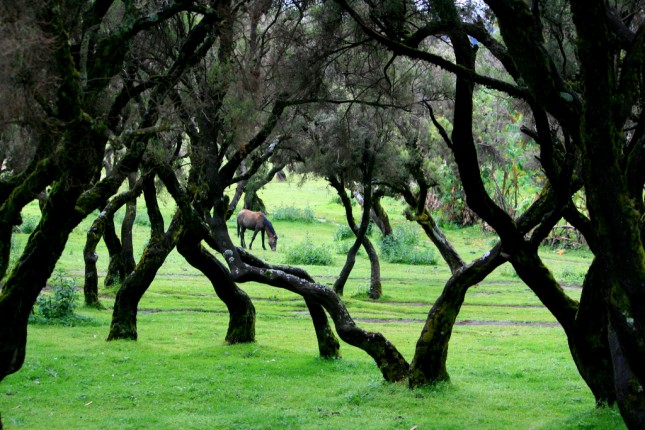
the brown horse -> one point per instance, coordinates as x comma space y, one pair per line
255, 221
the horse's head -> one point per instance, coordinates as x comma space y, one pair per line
273, 241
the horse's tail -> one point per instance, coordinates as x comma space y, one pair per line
238, 228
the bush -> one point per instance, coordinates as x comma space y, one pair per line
401, 247
308, 253
59, 307
344, 232
342, 247
29, 224
292, 213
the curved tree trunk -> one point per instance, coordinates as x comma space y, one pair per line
378, 214
360, 232
121, 251
94, 235
328, 345
376, 288
91, 287
589, 344
241, 326
429, 363
124, 316
432, 230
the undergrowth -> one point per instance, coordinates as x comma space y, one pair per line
307, 252
402, 247
292, 213
58, 307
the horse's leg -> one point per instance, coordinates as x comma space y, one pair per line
263, 240
255, 233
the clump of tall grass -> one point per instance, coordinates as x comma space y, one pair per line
292, 213
307, 252
402, 247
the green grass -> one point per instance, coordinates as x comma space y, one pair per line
509, 363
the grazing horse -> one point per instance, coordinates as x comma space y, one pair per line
255, 221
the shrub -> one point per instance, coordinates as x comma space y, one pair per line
29, 224
571, 275
342, 247
343, 232
292, 213
59, 307
308, 253
401, 247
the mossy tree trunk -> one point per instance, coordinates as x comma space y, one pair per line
124, 316
120, 250
94, 235
90, 257
428, 366
328, 345
241, 326
376, 288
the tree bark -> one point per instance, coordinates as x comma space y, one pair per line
434, 233
328, 345
589, 343
124, 316
378, 214
429, 363
121, 251
376, 288
90, 257
241, 326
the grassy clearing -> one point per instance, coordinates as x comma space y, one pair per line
509, 362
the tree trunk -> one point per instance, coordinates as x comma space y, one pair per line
241, 326
589, 344
124, 317
121, 251
252, 201
376, 289
629, 390
34, 267
116, 272
361, 239
429, 363
91, 288
432, 230
378, 214
328, 345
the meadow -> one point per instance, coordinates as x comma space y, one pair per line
509, 363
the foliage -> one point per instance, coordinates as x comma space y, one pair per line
292, 213
29, 224
59, 307
344, 232
402, 247
308, 253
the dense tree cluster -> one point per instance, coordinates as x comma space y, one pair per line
105, 101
